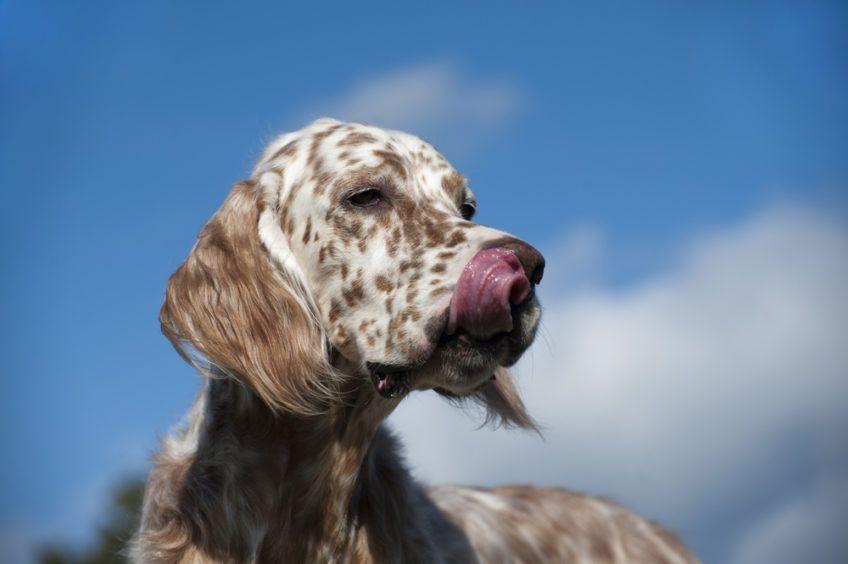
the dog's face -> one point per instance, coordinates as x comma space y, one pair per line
405, 285
351, 254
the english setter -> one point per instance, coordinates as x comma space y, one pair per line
343, 275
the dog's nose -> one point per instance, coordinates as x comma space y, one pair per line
531, 260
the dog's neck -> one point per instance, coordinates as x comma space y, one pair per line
331, 470
280, 487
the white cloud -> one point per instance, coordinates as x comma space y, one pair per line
435, 100
812, 527
696, 397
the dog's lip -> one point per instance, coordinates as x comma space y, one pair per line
379, 367
438, 323
389, 380
387, 385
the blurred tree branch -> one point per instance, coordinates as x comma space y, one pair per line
121, 521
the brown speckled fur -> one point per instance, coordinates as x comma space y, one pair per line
288, 297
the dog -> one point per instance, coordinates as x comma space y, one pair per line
344, 274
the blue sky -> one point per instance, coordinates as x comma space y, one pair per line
645, 147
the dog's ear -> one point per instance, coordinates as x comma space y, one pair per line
229, 303
503, 403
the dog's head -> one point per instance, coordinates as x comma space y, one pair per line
351, 253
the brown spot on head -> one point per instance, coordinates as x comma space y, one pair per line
456, 238
453, 183
335, 311
354, 294
317, 139
393, 242
411, 230
307, 231
287, 150
322, 180
405, 265
383, 284
410, 313
357, 138
436, 292
435, 233
392, 161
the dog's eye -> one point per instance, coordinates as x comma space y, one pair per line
366, 198
467, 210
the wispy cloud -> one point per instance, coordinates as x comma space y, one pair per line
704, 396
810, 527
435, 99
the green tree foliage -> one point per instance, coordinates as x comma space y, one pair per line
118, 526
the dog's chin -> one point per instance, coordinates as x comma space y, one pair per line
464, 363
458, 364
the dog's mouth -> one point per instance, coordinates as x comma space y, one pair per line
390, 381
489, 322
459, 362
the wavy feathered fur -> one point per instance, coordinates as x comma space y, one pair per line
284, 456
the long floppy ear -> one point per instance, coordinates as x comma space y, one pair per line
230, 304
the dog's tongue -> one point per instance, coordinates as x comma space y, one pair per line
492, 281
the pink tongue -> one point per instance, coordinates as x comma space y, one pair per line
492, 281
